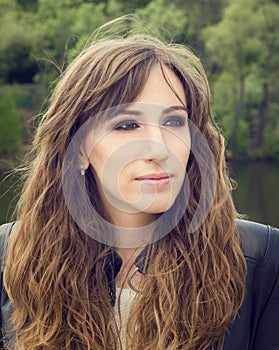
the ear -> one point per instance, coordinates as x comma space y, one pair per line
86, 164
83, 161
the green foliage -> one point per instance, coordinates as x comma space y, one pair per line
224, 92
130, 6
11, 124
28, 5
242, 50
242, 139
166, 24
16, 63
237, 40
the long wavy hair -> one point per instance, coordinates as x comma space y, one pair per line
194, 282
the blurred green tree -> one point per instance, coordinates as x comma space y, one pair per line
16, 46
242, 51
164, 24
11, 125
237, 41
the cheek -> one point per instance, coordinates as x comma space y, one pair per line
186, 155
107, 163
179, 143
97, 160
100, 153
181, 152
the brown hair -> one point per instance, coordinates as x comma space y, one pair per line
194, 284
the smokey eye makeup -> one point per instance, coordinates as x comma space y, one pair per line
126, 125
175, 121
131, 119
131, 124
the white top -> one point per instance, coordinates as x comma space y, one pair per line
127, 296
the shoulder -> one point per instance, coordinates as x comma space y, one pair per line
257, 325
6, 230
260, 246
259, 242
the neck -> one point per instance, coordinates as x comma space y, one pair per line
133, 229
128, 256
128, 220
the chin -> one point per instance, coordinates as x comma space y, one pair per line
158, 208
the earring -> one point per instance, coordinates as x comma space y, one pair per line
82, 171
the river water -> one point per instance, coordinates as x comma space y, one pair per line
257, 194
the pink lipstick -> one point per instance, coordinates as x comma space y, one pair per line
157, 180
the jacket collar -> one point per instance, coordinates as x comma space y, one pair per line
113, 265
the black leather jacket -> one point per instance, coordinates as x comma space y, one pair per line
257, 327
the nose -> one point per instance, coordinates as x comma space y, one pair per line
156, 148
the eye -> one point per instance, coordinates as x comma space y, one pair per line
126, 125
175, 122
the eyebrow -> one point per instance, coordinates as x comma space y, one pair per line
137, 113
176, 108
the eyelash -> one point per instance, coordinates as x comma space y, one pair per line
128, 125
179, 122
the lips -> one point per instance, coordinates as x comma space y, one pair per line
154, 176
157, 180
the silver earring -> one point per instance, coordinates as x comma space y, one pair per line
82, 171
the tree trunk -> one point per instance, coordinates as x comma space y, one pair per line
263, 117
237, 114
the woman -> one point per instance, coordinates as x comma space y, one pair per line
127, 236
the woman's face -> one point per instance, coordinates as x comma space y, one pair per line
139, 155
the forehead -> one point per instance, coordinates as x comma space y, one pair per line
162, 93
162, 87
